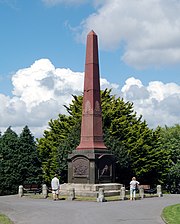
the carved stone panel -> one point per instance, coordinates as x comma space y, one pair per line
97, 107
87, 107
105, 168
80, 167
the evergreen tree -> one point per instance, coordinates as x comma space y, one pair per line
9, 162
29, 165
133, 143
52, 147
125, 134
55, 145
19, 163
170, 142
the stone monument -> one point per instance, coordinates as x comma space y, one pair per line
91, 162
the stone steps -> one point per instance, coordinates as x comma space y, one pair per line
110, 189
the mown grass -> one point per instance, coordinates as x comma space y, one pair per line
5, 220
171, 214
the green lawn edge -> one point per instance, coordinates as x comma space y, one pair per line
171, 214
5, 220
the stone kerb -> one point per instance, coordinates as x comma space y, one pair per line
44, 191
159, 191
71, 194
20, 192
101, 197
123, 193
141, 192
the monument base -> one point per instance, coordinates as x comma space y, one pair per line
91, 190
91, 167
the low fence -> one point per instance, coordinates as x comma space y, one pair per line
143, 190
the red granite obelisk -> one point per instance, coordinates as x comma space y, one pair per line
91, 126
91, 162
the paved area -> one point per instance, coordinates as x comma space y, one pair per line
44, 211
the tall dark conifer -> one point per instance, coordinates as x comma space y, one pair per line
19, 163
9, 162
29, 165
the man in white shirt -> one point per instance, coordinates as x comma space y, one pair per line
55, 187
133, 185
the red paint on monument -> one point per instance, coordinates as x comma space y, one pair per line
91, 126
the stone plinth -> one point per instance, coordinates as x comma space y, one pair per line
110, 189
91, 167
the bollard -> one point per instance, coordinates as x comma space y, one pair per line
101, 197
71, 194
141, 192
20, 191
122, 193
159, 192
44, 191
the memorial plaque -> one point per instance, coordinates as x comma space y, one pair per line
80, 167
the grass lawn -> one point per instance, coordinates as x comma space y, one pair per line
5, 220
171, 214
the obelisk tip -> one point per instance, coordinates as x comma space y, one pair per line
91, 33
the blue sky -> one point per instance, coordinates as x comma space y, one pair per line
139, 52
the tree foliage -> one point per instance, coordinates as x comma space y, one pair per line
18, 160
9, 162
29, 167
170, 142
135, 145
61, 138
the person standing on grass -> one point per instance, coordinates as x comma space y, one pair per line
133, 186
55, 187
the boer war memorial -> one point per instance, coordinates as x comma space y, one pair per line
91, 166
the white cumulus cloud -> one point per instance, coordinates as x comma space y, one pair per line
159, 103
39, 93
42, 82
41, 90
148, 31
